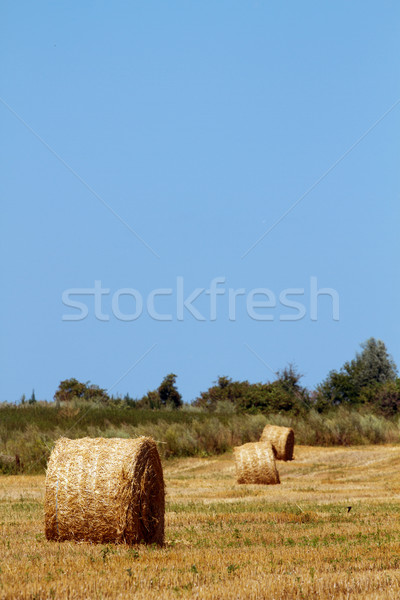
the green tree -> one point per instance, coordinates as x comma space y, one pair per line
383, 398
168, 392
150, 400
32, 399
337, 389
165, 396
283, 395
72, 389
223, 392
373, 364
370, 368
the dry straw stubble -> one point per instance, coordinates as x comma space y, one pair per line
105, 490
282, 440
255, 463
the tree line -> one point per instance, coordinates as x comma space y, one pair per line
369, 380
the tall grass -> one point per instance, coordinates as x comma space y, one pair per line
30, 431
342, 427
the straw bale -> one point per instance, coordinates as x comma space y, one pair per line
282, 440
255, 463
105, 490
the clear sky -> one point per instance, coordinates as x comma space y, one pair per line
150, 145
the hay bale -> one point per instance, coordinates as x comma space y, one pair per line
282, 440
105, 490
255, 463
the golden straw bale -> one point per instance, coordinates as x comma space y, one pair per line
255, 463
282, 440
105, 490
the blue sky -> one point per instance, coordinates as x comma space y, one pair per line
145, 142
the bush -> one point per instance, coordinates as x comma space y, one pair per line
383, 398
372, 370
71, 389
282, 395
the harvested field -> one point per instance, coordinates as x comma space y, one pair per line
224, 540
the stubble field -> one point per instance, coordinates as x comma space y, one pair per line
227, 541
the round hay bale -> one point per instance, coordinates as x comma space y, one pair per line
282, 440
105, 490
255, 463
